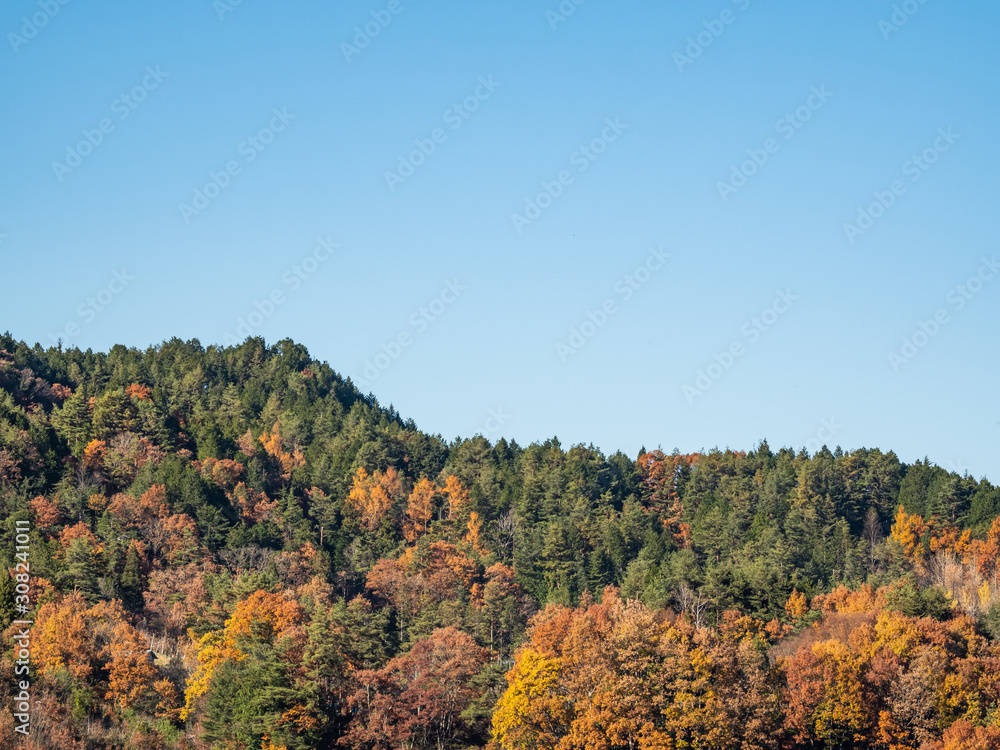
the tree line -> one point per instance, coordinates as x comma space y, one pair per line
234, 547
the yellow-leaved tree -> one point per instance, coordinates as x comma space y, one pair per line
372, 495
419, 509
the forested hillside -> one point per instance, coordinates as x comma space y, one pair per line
235, 548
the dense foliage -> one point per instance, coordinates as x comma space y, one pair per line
235, 548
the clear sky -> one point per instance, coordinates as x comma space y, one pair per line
496, 176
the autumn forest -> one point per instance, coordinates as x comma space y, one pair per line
236, 548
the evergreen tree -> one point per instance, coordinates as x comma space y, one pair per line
81, 572
600, 572
72, 421
131, 580
8, 610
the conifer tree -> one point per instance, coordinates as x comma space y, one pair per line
131, 580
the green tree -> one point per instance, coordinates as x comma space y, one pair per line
81, 572
72, 421
131, 580
114, 412
8, 612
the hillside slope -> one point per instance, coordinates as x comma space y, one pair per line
305, 567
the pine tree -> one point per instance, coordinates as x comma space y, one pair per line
233, 411
8, 612
81, 573
110, 584
114, 412
250, 698
72, 421
131, 580
599, 571
947, 503
325, 658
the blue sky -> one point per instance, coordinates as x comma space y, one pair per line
743, 137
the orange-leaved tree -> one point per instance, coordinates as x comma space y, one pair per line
617, 674
419, 509
420, 698
909, 530
373, 496
263, 616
